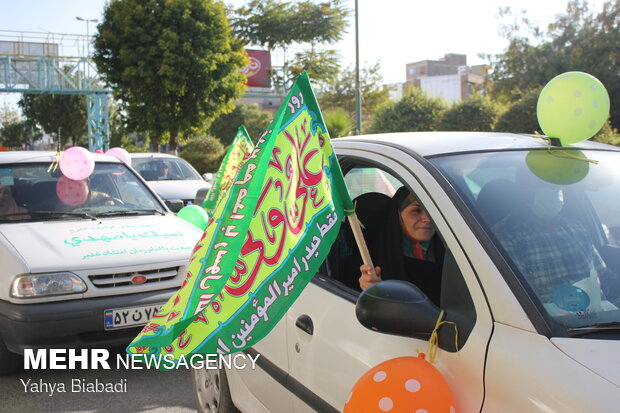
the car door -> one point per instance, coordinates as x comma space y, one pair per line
328, 349
263, 389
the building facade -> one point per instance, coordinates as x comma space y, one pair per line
448, 78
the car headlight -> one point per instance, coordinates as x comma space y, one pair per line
41, 285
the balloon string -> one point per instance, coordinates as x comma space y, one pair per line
433, 342
566, 154
353, 211
561, 153
54, 165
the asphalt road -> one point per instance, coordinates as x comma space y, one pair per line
150, 391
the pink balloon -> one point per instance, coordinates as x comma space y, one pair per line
120, 153
72, 193
76, 163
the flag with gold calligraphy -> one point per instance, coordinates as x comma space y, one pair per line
236, 155
264, 242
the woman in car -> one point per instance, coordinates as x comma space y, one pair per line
405, 247
8, 206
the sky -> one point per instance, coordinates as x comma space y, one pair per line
391, 32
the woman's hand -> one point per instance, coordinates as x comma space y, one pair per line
369, 277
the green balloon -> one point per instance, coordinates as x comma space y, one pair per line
558, 167
195, 215
572, 107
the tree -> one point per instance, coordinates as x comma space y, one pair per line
577, 40
608, 135
475, 114
520, 117
340, 92
14, 131
338, 122
17, 134
414, 112
205, 153
8, 115
251, 116
277, 24
173, 65
61, 115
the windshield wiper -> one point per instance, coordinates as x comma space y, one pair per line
124, 212
594, 328
52, 214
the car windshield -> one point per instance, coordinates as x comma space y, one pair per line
37, 192
164, 169
555, 216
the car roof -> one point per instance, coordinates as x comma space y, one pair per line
152, 155
443, 143
44, 156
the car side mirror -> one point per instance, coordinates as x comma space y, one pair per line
207, 176
397, 307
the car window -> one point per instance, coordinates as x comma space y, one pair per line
381, 201
361, 180
164, 168
185, 170
555, 217
44, 193
372, 189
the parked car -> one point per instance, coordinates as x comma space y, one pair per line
84, 264
171, 177
527, 342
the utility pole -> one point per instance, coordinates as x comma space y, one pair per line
358, 93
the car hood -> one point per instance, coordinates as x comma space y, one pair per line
178, 189
600, 356
111, 242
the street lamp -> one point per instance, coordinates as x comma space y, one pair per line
87, 43
87, 31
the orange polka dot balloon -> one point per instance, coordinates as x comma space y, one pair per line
401, 385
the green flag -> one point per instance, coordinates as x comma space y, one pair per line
236, 155
264, 243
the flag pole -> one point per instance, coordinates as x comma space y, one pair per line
360, 241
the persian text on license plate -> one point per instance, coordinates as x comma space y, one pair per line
129, 317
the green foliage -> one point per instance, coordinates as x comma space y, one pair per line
520, 117
14, 132
130, 145
475, 114
340, 92
8, 115
64, 114
338, 122
17, 134
578, 40
204, 153
414, 112
608, 135
251, 116
173, 65
322, 66
277, 24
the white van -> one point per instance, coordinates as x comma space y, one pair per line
82, 263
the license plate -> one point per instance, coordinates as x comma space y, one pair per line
130, 316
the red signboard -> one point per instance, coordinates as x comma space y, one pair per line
258, 69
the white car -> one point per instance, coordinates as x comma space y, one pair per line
171, 177
83, 264
525, 343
